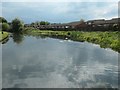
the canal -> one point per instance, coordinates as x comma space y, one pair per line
38, 62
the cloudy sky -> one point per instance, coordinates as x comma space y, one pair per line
58, 11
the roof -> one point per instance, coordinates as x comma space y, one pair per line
103, 21
74, 23
114, 20
99, 21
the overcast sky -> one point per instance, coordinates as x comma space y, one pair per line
58, 12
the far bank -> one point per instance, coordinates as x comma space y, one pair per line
107, 39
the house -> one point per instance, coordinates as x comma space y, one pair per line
99, 24
96, 22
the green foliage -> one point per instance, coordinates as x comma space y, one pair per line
3, 35
5, 27
17, 25
40, 23
115, 45
3, 20
44, 23
104, 39
32, 23
37, 23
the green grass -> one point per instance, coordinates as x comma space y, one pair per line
3, 36
104, 39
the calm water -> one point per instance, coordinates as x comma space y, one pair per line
35, 62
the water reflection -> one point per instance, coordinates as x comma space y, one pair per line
50, 63
18, 38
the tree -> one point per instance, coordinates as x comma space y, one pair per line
37, 23
47, 23
3, 20
44, 23
17, 25
32, 24
5, 27
82, 21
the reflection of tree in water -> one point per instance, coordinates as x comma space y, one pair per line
18, 38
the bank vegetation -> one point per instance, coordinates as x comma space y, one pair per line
106, 39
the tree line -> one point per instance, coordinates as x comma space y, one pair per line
40, 23
16, 25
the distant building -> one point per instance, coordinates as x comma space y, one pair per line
78, 25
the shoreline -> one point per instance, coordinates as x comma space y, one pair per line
105, 39
3, 36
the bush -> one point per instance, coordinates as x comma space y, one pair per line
5, 27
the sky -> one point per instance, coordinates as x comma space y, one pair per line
59, 11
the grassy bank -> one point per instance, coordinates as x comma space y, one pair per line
3, 35
104, 39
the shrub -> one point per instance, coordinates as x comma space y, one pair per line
5, 27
